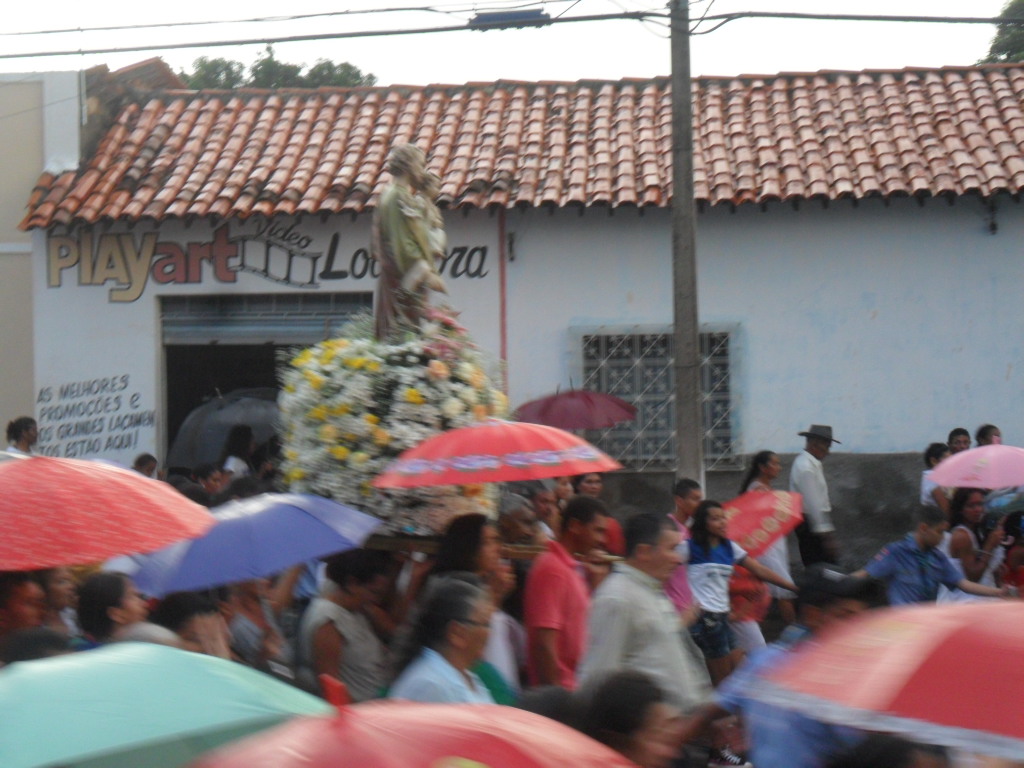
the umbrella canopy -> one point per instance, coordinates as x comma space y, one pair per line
255, 537
135, 704
201, 436
577, 409
757, 519
398, 734
940, 674
494, 451
68, 512
991, 466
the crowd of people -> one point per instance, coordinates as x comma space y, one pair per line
634, 631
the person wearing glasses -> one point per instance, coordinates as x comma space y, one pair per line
448, 637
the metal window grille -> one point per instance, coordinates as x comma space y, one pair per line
637, 367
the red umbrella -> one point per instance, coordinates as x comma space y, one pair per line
68, 512
577, 409
494, 451
759, 518
941, 674
399, 734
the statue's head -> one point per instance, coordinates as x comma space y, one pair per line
407, 161
430, 185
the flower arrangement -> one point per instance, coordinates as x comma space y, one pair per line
350, 405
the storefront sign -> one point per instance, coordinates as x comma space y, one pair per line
90, 417
275, 252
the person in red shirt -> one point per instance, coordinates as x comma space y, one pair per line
557, 597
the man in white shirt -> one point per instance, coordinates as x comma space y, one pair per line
816, 534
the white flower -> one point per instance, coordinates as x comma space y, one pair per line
452, 407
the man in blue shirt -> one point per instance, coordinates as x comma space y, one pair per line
779, 737
914, 567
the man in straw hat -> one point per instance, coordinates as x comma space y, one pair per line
816, 534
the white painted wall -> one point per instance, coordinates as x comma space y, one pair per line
892, 323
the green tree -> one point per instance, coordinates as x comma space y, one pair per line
1008, 43
270, 72
326, 72
214, 73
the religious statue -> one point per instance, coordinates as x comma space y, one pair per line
408, 240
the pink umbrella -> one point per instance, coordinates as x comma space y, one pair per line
577, 409
991, 466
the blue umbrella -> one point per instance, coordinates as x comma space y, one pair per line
254, 537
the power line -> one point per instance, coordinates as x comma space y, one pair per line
725, 18
454, 9
642, 16
481, 26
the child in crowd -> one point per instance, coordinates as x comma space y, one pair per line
710, 557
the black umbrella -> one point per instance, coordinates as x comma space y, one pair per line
202, 435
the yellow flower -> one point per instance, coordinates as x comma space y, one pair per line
480, 412
355, 362
499, 403
360, 457
327, 355
371, 419
295, 473
477, 380
340, 452
289, 387
366, 489
328, 433
315, 379
341, 409
373, 366
413, 395
302, 358
381, 437
291, 454
318, 413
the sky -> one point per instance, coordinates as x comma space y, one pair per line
573, 51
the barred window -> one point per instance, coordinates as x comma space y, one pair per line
637, 367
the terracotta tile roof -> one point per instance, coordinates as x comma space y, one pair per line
828, 135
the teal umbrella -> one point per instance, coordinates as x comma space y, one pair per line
135, 705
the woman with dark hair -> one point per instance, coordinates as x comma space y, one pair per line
630, 713
765, 468
108, 603
710, 557
337, 637
196, 619
237, 452
931, 494
472, 544
448, 638
976, 555
22, 434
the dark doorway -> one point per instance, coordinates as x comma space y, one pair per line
195, 373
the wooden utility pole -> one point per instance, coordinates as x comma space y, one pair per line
686, 340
